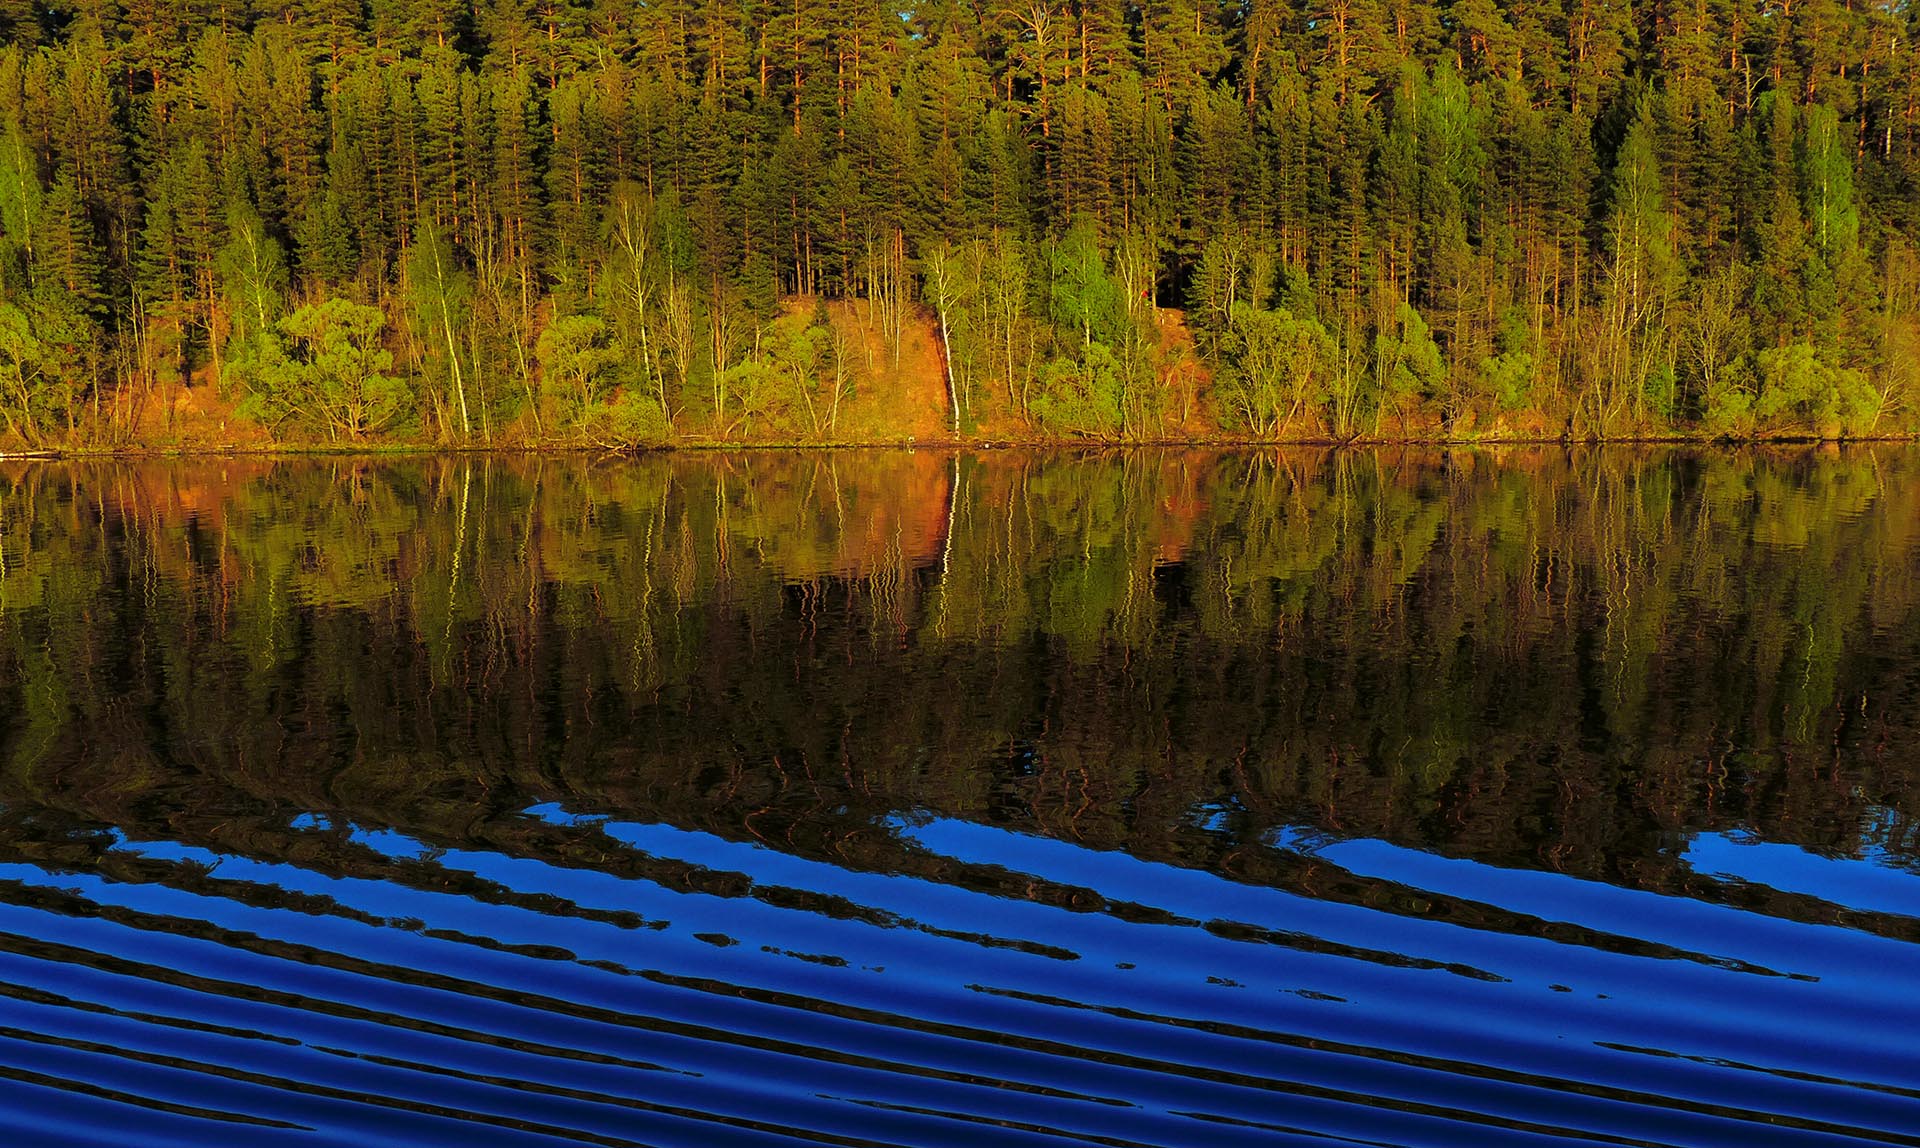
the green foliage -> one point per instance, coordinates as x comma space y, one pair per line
1275, 379
67, 254
1827, 186
633, 419
1407, 362
1081, 395
1802, 391
793, 382
1090, 384
323, 367
325, 239
574, 354
20, 194
798, 347
1083, 299
1728, 407
43, 340
1508, 378
1234, 268
440, 293
1633, 353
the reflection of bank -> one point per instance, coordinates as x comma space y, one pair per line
801, 515
851, 514
1359, 633
857, 514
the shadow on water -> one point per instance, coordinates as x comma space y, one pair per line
1154, 798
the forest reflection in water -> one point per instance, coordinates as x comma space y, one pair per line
1166, 797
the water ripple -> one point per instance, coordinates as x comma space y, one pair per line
213, 988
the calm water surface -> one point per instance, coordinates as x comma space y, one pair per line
1489, 799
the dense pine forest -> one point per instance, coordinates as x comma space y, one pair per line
617, 222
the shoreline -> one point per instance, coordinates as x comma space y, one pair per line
323, 450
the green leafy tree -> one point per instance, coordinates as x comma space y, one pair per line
326, 370
21, 194
1277, 373
1407, 363
574, 355
1803, 392
40, 367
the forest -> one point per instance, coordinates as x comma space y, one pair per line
613, 223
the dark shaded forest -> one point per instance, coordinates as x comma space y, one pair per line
621, 223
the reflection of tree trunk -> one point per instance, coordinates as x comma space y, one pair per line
946, 544
459, 546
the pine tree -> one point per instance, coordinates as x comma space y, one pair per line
1779, 238
324, 240
67, 252
19, 22
1182, 51
437, 96
86, 133
574, 174
291, 137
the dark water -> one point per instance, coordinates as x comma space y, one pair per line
1168, 799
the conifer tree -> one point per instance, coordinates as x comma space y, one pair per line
67, 253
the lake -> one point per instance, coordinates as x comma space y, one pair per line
1399, 797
